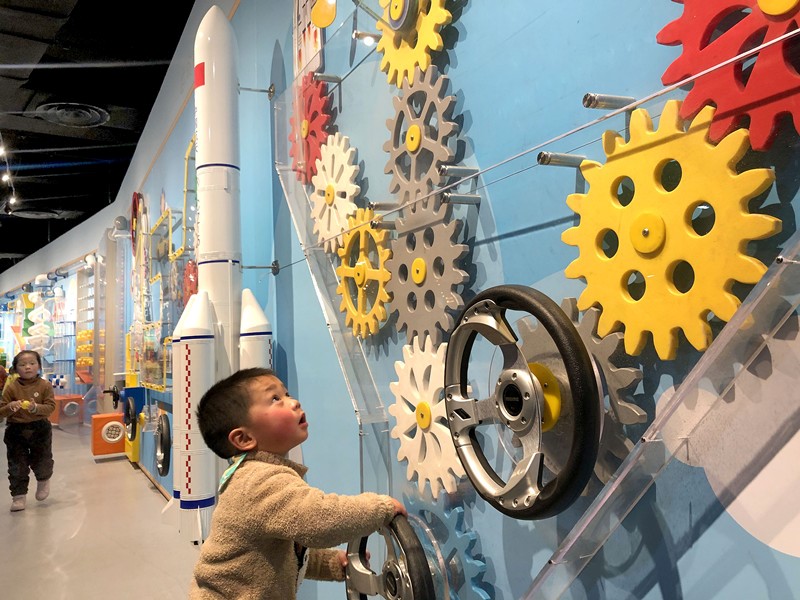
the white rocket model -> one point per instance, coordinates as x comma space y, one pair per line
213, 329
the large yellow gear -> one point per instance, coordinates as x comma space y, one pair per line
363, 274
647, 258
409, 33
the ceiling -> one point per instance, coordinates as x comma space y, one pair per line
76, 89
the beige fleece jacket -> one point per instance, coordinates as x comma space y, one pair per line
265, 508
39, 391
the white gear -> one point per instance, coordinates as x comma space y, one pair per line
419, 411
334, 190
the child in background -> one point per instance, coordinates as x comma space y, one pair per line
270, 528
27, 402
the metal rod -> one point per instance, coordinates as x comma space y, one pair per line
249, 89
275, 267
554, 159
327, 78
453, 198
390, 225
607, 101
457, 171
382, 205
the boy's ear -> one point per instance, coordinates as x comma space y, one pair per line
241, 439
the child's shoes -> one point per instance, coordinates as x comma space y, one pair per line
17, 503
42, 489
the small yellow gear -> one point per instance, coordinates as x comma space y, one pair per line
363, 274
409, 33
663, 230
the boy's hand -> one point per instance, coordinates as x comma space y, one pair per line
399, 509
342, 558
14, 405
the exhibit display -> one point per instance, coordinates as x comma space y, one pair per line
513, 266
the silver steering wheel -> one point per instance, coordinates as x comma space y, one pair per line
517, 402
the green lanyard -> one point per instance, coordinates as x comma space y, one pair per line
235, 462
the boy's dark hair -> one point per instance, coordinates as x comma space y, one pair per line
224, 407
19, 356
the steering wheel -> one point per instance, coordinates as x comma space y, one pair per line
405, 575
517, 403
163, 445
129, 417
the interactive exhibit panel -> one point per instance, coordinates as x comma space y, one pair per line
554, 249
533, 258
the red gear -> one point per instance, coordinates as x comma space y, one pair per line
308, 126
771, 89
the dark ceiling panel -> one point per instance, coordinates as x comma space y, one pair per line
64, 171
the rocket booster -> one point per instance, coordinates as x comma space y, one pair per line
219, 252
213, 329
195, 481
255, 339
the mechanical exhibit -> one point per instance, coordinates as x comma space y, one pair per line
507, 410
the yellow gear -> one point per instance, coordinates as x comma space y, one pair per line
363, 274
404, 50
685, 271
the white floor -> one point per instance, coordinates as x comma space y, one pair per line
99, 534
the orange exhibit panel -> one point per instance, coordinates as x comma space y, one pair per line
108, 434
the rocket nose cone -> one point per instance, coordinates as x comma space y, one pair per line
200, 319
253, 317
214, 30
212, 16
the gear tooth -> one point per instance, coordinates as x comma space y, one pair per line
752, 183
589, 169
575, 202
635, 341
703, 120
670, 36
641, 126
671, 119
606, 323
762, 226
747, 270
735, 146
726, 306
698, 332
574, 269
612, 142
589, 320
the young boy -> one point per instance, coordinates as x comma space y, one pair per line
270, 528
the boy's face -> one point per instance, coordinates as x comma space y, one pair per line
277, 423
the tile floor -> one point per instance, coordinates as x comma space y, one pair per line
98, 536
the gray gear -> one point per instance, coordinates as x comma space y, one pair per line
422, 132
426, 275
537, 346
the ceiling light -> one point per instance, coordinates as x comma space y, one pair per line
6, 177
12, 200
2, 151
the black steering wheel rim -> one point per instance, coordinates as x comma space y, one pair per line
404, 577
130, 419
163, 445
566, 487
